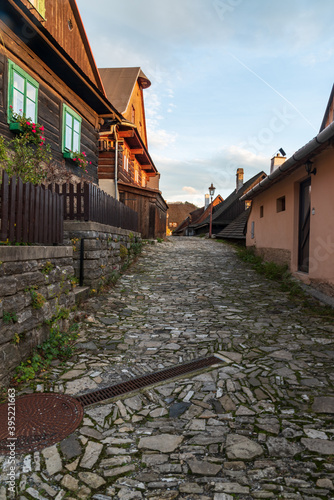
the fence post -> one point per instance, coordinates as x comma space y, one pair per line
11, 206
4, 206
87, 201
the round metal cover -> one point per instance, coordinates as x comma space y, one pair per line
41, 420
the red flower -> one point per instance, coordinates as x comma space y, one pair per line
27, 123
41, 128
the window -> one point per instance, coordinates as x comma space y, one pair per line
261, 211
39, 6
125, 161
133, 114
136, 176
143, 180
280, 204
71, 130
22, 93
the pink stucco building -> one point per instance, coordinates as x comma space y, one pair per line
292, 213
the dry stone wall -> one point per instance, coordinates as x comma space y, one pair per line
35, 284
106, 249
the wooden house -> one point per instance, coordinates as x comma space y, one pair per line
48, 73
186, 228
226, 212
178, 212
126, 169
183, 228
292, 213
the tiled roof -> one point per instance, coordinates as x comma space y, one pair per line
119, 84
218, 214
237, 229
178, 211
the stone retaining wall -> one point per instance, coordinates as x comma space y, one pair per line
35, 283
106, 250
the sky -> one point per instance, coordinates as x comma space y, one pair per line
233, 81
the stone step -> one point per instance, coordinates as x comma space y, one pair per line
81, 293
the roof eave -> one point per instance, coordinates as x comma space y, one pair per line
311, 149
50, 52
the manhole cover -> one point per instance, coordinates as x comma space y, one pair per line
41, 420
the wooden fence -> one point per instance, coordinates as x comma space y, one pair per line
35, 214
87, 202
29, 213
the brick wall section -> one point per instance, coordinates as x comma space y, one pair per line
21, 269
102, 246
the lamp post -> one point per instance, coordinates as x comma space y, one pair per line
212, 192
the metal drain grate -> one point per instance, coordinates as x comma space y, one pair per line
41, 420
146, 380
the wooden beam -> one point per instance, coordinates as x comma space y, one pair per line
126, 133
138, 151
147, 167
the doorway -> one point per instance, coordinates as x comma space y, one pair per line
304, 225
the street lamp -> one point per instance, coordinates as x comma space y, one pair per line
212, 192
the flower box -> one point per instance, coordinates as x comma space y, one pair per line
69, 154
15, 127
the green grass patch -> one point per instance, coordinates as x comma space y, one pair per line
59, 345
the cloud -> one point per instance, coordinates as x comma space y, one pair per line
190, 190
238, 154
160, 139
220, 168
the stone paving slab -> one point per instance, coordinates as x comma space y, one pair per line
259, 425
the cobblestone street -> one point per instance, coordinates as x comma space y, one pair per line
257, 426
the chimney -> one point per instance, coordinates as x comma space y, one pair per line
207, 201
276, 161
240, 178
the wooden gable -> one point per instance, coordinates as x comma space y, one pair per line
63, 22
135, 111
124, 88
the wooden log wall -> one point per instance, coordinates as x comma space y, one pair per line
50, 104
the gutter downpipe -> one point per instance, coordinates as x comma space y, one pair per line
116, 161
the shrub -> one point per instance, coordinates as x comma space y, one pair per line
123, 252
38, 299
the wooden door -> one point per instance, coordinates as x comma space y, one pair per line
151, 224
304, 225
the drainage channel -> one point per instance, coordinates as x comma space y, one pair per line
146, 380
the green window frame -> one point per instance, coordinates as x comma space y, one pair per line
22, 93
39, 6
71, 136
